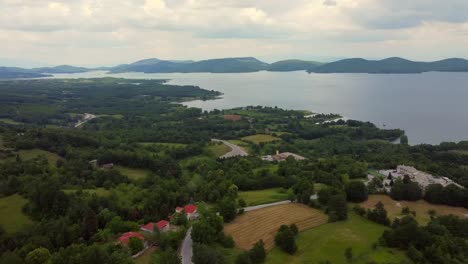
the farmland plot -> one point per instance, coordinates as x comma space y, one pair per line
264, 223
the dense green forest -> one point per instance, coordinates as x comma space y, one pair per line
78, 207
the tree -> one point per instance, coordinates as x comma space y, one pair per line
91, 224
136, 245
241, 202
349, 254
10, 258
404, 140
285, 240
337, 208
169, 256
227, 209
356, 191
303, 189
243, 258
38, 256
379, 214
203, 254
257, 253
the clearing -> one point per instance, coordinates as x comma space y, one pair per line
263, 196
33, 153
132, 173
260, 138
421, 207
218, 149
13, 218
329, 242
264, 223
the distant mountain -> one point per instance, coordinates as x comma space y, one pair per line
14, 73
61, 69
226, 65
390, 65
250, 64
293, 65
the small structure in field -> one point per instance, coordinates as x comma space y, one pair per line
107, 166
162, 225
234, 118
282, 156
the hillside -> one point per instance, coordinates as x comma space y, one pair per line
61, 69
391, 65
13, 73
293, 65
214, 65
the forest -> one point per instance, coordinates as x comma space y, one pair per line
78, 207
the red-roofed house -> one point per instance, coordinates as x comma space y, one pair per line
191, 210
162, 225
179, 209
125, 237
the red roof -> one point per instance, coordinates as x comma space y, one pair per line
162, 224
124, 238
190, 208
179, 209
149, 226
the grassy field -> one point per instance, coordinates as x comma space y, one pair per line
421, 208
260, 138
218, 149
263, 196
98, 191
329, 242
252, 226
10, 121
12, 217
33, 153
132, 173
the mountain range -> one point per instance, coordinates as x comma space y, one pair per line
250, 64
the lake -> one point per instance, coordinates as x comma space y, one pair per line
431, 107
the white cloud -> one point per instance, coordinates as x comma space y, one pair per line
109, 31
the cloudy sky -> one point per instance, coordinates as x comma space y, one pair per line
108, 32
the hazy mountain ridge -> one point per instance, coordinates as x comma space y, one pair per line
391, 65
251, 64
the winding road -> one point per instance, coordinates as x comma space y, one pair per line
186, 251
236, 151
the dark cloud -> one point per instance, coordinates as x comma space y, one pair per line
329, 2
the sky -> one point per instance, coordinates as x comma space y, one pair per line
109, 32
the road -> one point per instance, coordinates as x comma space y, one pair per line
256, 207
235, 150
186, 250
85, 119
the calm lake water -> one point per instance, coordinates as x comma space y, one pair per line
430, 107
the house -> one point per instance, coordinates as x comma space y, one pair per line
162, 225
192, 211
107, 166
179, 209
232, 117
125, 237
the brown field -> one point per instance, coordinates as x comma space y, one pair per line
252, 226
421, 208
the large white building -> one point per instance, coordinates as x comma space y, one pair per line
423, 178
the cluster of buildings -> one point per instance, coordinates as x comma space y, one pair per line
422, 178
190, 210
282, 156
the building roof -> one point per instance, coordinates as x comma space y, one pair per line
162, 224
150, 226
125, 237
190, 208
179, 209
